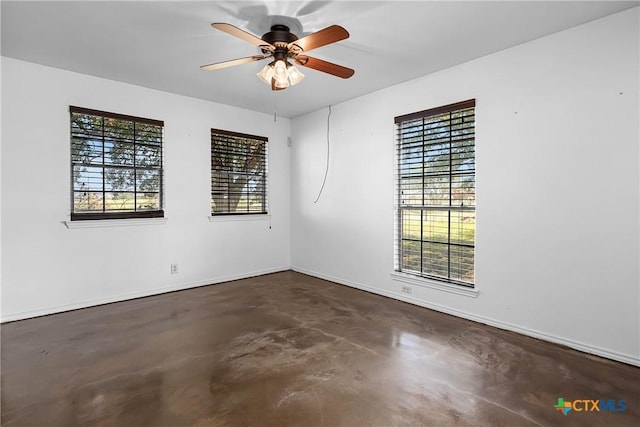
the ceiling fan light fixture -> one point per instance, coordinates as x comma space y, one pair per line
266, 74
281, 84
280, 74
295, 76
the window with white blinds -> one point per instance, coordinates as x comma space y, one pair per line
238, 173
116, 166
435, 176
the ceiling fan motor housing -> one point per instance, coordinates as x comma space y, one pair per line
279, 34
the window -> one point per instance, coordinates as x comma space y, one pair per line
435, 178
238, 173
116, 166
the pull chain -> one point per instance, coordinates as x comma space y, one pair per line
275, 117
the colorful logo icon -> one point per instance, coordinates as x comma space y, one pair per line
563, 406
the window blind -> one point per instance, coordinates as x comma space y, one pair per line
238, 173
116, 165
435, 176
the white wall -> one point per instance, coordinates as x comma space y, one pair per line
47, 267
557, 130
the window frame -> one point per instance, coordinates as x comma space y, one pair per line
117, 215
236, 138
425, 143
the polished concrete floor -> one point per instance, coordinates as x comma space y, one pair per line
286, 349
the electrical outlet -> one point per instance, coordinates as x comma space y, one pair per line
174, 268
406, 289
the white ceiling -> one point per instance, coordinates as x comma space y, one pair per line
161, 44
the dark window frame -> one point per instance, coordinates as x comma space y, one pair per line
105, 213
421, 165
226, 190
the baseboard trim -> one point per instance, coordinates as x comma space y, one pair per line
585, 348
45, 311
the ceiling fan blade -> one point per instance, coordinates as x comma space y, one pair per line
241, 34
320, 38
324, 66
231, 63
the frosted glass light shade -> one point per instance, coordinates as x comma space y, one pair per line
266, 74
281, 84
295, 75
280, 74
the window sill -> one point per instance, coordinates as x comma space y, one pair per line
233, 218
100, 223
434, 284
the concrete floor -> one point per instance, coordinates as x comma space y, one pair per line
289, 350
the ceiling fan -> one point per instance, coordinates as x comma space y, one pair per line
282, 45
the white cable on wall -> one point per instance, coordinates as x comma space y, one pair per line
326, 171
